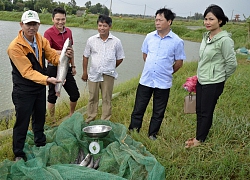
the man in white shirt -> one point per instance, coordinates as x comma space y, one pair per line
107, 54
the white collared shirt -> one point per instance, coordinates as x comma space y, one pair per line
104, 55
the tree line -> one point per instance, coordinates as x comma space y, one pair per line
44, 6
47, 6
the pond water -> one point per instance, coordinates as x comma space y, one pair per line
131, 66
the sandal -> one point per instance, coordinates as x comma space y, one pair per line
192, 142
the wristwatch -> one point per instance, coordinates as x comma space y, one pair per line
73, 66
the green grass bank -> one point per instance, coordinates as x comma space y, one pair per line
143, 26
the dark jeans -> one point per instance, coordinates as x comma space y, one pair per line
206, 99
160, 100
69, 86
28, 105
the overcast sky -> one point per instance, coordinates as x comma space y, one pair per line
182, 8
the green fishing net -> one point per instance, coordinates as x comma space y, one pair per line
121, 156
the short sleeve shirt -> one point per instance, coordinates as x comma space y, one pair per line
57, 38
104, 55
161, 56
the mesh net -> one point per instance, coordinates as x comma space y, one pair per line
120, 158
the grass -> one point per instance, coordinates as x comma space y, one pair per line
226, 152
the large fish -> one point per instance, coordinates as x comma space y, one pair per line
62, 67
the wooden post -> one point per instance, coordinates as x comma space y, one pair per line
110, 8
249, 31
248, 34
144, 12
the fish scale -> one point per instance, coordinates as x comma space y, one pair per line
85, 162
62, 68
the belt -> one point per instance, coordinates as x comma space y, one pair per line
50, 64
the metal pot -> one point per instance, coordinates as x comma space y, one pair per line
97, 131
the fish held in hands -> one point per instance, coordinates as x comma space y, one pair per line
62, 68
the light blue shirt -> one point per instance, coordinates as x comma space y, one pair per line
34, 46
161, 55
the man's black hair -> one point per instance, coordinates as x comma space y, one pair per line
104, 19
58, 10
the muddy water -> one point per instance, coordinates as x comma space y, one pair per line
130, 68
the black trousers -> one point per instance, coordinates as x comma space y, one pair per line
160, 100
69, 86
206, 100
28, 105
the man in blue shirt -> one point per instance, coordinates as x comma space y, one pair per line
163, 53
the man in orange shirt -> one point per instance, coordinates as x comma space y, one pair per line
27, 53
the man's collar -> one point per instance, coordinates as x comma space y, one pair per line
109, 36
30, 43
57, 30
170, 33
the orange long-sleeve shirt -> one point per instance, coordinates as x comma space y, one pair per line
19, 52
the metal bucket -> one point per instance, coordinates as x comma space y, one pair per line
97, 131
